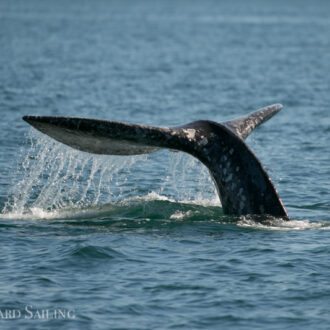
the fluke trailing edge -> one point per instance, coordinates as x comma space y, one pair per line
243, 185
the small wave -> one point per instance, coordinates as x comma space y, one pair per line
151, 205
315, 206
96, 252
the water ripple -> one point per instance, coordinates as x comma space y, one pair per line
96, 252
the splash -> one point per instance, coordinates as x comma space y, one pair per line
53, 180
53, 176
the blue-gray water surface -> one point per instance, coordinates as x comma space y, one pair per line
109, 242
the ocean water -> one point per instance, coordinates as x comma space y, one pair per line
105, 242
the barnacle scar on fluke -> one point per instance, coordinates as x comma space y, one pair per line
242, 183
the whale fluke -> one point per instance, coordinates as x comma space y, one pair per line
243, 126
243, 185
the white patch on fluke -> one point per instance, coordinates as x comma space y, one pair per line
190, 133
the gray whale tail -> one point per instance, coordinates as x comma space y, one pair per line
242, 183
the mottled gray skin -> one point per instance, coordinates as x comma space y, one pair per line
241, 181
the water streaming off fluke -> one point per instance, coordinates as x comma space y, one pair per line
53, 177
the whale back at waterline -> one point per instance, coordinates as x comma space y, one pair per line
242, 183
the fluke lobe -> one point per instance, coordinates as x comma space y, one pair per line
242, 183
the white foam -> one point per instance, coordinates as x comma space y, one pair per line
282, 225
151, 196
36, 213
179, 215
155, 196
203, 202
